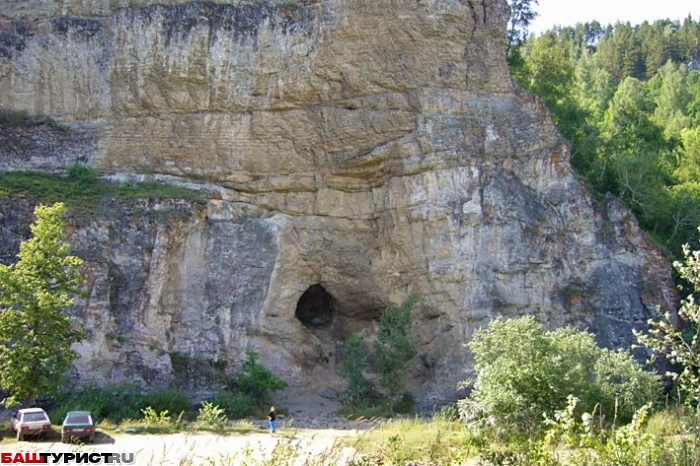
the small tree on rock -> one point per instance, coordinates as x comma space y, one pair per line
36, 333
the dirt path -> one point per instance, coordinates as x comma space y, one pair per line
308, 434
207, 449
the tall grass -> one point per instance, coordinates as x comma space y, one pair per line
439, 441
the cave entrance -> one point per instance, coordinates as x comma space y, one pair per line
315, 307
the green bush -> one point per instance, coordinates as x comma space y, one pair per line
236, 405
255, 380
524, 373
171, 400
113, 402
153, 418
447, 413
677, 336
81, 175
622, 382
211, 416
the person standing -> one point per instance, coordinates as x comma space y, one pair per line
271, 418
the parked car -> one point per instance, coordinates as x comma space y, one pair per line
78, 425
30, 422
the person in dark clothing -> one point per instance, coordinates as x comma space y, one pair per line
271, 418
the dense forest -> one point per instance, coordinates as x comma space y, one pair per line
628, 100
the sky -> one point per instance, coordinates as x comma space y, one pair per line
570, 12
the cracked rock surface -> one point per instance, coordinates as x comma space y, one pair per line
351, 153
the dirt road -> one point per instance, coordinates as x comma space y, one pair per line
308, 435
183, 449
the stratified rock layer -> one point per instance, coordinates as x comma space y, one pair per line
354, 152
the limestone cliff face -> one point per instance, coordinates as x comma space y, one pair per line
354, 152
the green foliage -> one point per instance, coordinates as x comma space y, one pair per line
394, 349
36, 332
120, 401
255, 380
248, 390
114, 402
153, 418
211, 416
678, 339
81, 190
447, 413
621, 382
391, 355
631, 111
236, 405
171, 400
524, 373
547, 72
668, 422
521, 15
415, 442
248, 395
629, 444
353, 365
84, 177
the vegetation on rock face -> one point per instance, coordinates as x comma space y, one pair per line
628, 100
36, 332
81, 190
22, 119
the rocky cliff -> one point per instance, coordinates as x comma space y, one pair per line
352, 152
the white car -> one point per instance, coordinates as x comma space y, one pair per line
31, 422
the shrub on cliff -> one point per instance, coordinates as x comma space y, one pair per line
524, 373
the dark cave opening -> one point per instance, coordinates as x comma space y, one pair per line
315, 307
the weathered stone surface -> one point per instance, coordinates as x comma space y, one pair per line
376, 149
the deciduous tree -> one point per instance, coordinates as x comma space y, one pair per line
678, 337
36, 332
394, 349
